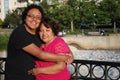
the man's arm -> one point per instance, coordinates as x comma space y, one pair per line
35, 51
71, 58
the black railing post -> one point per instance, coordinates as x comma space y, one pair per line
106, 73
91, 72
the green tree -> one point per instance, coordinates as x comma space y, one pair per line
88, 11
110, 7
57, 12
47, 8
13, 18
73, 12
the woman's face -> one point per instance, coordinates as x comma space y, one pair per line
46, 34
33, 19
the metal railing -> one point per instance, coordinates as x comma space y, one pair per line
85, 70
2, 68
95, 70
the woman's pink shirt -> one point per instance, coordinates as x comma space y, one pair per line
57, 46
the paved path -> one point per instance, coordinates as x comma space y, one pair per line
5, 31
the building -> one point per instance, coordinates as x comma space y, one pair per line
9, 5
3, 8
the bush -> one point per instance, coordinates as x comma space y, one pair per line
4, 41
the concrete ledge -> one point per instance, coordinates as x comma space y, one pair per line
95, 42
94, 33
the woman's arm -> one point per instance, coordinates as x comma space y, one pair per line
53, 69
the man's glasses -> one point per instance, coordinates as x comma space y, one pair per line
36, 17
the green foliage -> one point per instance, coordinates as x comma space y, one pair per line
12, 18
4, 41
1, 23
74, 11
70, 13
110, 7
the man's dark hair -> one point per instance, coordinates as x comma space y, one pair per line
26, 10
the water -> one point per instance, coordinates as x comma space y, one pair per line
98, 55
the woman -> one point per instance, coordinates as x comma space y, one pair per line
44, 70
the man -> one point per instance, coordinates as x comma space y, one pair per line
23, 47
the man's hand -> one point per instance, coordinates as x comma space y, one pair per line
33, 71
70, 58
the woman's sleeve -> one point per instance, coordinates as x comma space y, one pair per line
61, 47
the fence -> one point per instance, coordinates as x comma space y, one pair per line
95, 70
2, 68
85, 70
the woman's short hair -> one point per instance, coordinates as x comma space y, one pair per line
49, 23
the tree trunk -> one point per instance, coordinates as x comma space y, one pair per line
114, 26
71, 22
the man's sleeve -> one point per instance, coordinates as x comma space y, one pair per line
21, 40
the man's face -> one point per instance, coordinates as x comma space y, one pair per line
33, 19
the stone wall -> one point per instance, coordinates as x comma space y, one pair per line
94, 42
